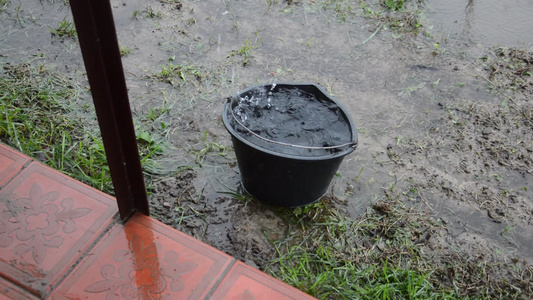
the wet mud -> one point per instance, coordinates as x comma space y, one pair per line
444, 125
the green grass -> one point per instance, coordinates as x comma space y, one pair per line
65, 28
210, 148
148, 13
381, 255
177, 75
377, 256
327, 272
323, 273
245, 52
152, 14
343, 10
124, 50
401, 16
3, 5
394, 4
36, 120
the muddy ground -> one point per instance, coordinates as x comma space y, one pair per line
445, 127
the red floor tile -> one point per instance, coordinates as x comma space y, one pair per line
47, 221
246, 283
11, 291
145, 260
10, 163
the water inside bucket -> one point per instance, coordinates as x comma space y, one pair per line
291, 116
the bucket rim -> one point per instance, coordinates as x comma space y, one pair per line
341, 153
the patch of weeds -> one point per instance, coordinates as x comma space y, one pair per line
37, 121
389, 253
321, 212
65, 29
148, 145
330, 256
177, 75
210, 148
394, 4
3, 5
412, 89
499, 135
477, 279
402, 16
322, 273
152, 128
436, 49
271, 3
342, 10
149, 13
155, 114
152, 14
191, 21
245, 52
124, 50
150, 148
158, 118
511, 69
407, 21
368, 11
239, 195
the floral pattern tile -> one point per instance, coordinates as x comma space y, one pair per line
10, 163
246, 283
145, 260
52, 226
47, 222
143, 275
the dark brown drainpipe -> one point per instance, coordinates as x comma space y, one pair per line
101, 55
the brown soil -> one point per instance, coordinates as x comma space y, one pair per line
445, 133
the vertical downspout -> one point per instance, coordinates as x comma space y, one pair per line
101, 55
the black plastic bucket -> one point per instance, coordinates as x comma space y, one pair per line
283, 179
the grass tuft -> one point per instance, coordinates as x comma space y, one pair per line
245, 52
178, 75
64, 29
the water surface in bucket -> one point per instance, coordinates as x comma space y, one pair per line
292, 120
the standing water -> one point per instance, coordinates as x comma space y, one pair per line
493, 22
290, 121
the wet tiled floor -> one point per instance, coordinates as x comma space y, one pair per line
61, 239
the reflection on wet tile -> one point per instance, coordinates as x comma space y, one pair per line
47, 221
11, 291
10, 163
52, 227
244, 282
145, 260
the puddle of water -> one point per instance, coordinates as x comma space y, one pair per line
492, 22
289, 115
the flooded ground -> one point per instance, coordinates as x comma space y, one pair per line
444, 116
488, 22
